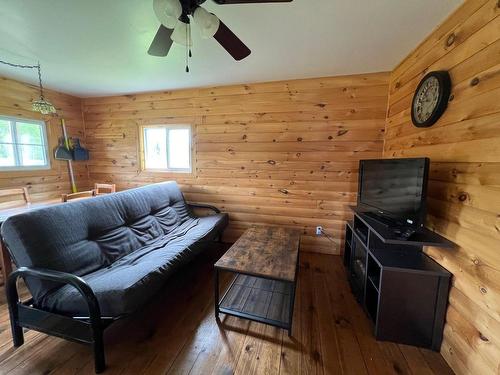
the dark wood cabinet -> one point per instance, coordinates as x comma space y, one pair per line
402, 290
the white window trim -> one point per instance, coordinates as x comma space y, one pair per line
168, 169
45, 145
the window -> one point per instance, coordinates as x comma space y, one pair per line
23, 144
167, 148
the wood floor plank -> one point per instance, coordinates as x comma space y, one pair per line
392, 354
311, 361
268, 357
225, 357
349, 350
200, 351
198, 348
350, 313
415, 360
328, 335
261, 340
172, 340
43, 360
178, 334
291, 347
436, 362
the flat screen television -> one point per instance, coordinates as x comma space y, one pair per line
394, 190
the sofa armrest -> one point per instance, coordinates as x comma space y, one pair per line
61, 277
54, 324
207, 206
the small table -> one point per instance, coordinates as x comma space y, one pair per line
265, 263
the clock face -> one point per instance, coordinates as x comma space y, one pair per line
431, 98
426, 99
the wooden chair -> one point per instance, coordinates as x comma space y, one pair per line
5, 261
79, 195
104, 188
13, 192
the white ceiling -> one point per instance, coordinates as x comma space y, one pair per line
98, 47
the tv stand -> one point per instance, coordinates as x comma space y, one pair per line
402, 290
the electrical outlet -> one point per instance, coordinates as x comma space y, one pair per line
319, 230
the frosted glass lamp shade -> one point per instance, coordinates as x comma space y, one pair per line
43, 106
167, 12
207, 23
182, 34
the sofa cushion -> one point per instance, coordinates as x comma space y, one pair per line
84, 236
129, 282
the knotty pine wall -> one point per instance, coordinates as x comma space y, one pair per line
278, 153
464, 190
15, 100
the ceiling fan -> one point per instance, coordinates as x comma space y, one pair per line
174, 16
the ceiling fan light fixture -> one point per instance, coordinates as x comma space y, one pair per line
182, 35
207, 23
167, 12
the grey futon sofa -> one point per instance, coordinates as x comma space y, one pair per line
87, 263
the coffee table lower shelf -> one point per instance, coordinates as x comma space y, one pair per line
262, 300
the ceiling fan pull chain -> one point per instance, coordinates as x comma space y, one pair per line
187, 48
189, 31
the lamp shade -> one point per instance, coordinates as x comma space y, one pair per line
207, 23
182, 34
167, 12
43, 106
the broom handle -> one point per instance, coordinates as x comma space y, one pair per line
72, 177
70, 164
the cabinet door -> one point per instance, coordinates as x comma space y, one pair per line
407, 307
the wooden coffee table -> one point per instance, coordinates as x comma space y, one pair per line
265, 264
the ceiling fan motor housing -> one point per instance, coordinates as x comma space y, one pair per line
189, 6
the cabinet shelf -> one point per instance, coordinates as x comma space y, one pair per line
361, 230
374, 270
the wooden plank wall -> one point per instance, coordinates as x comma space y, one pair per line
280, 153
464, 190
15, 100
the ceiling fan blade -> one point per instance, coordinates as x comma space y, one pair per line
161, 42
231, 43
221, 2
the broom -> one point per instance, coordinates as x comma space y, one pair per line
63, 152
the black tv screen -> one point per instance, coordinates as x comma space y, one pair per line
394, 188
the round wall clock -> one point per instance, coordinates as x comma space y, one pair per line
431, 99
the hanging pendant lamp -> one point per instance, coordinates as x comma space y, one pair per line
41, 105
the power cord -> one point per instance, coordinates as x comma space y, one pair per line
330, 237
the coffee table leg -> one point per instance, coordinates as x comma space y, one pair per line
216, 296
292, 295
291, 307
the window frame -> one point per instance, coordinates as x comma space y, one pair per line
142, 151
16, 145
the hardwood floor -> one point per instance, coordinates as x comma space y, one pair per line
178, 334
